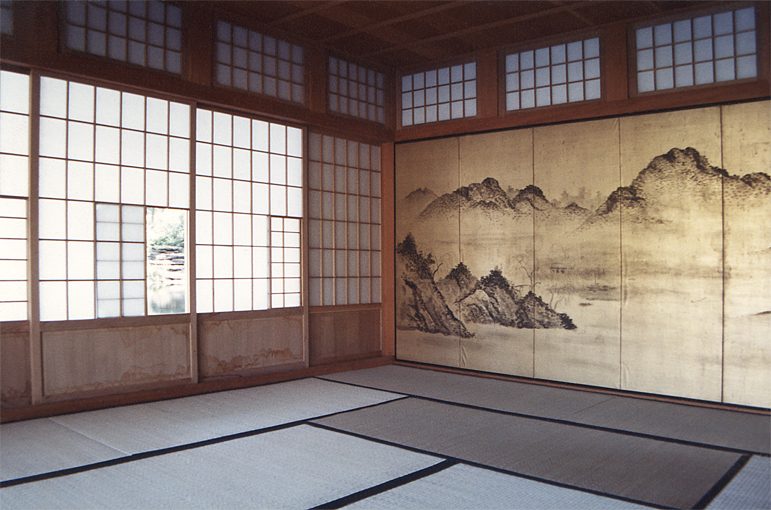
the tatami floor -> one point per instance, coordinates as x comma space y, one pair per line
391, 437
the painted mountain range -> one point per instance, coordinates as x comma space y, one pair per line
650, 195
459, 298
672, 192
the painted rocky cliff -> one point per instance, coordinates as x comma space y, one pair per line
434, 307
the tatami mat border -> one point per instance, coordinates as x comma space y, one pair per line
178, 448
560, 421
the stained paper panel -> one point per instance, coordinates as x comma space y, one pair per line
747, 242
671, 238
428, 242
493, 282
578, 251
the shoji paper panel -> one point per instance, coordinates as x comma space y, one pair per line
671, 238
747, 238
427, 236
496, 232
578, 251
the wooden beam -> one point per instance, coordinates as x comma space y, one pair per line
392, 21
583, 19
470, 30
314, 8
655, 5
392, 36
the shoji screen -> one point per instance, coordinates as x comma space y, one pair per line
6, 17
14, 177
146, 33
561, 73
356, 90
439, 94
249, 60
696, 51
113, 204
344, 221
249, 201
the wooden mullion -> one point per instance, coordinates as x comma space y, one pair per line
120, 199
67, 200
192, 290
333, 192
232, 184
93, 201
33, 245
144, 185
305, 250
250, 183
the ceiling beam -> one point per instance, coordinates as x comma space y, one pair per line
393, 36
392, 21
412, 45
580, 17
656, 6
314, 8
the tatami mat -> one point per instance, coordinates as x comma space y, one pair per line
39, 446
640, 469
716, 427
463, 389
749, 490
463, 486
298, 467
743, 431
168, 423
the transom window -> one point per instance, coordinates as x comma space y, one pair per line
146, 33
355, 90
697, 51
249, 60
439, 94
557, 74
6, 17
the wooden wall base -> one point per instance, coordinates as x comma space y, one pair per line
182, 390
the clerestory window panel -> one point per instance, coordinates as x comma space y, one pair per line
700, 50
439, 94
356, 90
551, 75
249, 60
146, 33
6, 17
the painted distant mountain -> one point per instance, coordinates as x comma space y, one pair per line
416, 201
650, 197
669, 178
435, 307
532, 198
488, 196
672, 191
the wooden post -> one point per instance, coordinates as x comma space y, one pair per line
387, 247
33, 264
191, 259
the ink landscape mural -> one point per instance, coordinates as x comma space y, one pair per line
632, 253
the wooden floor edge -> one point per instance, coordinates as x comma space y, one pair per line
8, 414
589, 389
